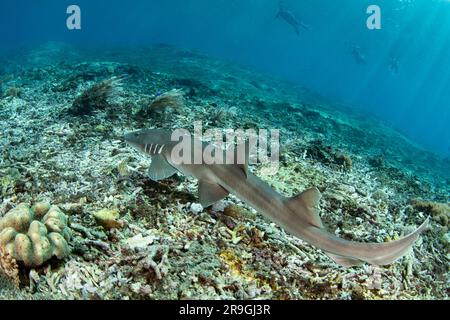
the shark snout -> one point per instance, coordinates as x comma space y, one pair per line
131, 137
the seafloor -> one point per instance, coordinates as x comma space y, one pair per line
376, 184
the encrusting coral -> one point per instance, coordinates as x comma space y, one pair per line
34, 235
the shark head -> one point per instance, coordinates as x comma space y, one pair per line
150, 141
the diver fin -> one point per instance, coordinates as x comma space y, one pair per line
344, 261
308, 200
210, 193
160, 169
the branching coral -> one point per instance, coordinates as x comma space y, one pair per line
94, 98
35, 235
173, 99
8, 267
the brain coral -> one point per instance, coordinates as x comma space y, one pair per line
34, 235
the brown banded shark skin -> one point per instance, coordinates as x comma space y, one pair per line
298, 215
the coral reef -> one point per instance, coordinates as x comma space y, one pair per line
34, 235
439, 211
326, 154
13, 92
9, 180
167, 245
171, 99
95, 97
377, 161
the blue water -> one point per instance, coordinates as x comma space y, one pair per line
415, 100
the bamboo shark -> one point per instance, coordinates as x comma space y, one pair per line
298, 215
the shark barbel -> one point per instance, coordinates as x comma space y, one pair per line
297, 215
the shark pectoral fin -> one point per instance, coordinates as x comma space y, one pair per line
160, 169
210, 193
344, 261
307, 206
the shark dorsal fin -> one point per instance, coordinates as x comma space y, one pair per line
210, 193
235, 157
160, 169
307, 205
243, 166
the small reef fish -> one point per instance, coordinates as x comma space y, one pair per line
291, 19
298, 215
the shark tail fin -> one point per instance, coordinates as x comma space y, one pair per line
378, 254
307, 205
397, 248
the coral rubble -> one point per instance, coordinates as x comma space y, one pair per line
133, 238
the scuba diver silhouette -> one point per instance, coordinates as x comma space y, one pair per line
290, 18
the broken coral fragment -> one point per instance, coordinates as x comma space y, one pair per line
34, 236
140, 242
107, 218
